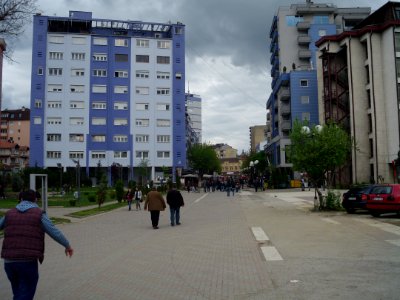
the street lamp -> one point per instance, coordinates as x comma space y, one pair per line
59, 165
78, 177
253, 165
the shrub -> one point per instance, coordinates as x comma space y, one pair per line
333, 201
119, 190
91, 198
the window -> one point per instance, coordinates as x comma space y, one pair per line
142, 74
163, 60
76, 154
40, 71
162, 91
121, 74
100, 73
38, 103
162, 154
99, 121
76, 121
99, 105
56, 39
56, 55
77, 72
142, 58
303, 82
120, 89
163, 106
142, 154
53, 154
98, 155
55, 71
305, 116
97, 88
305, 99
120, 154
54, 121
121, 42
54, 104
98, 138
100, 57
77, 88
102, 41
77, 105
142, 106
163, 123
163, 44
120, 105
142, 138
120, 122
142, 122
178, 30
163, 138
293, 20
54, 137
37, 120
321, 19
322, 32
178, 75
163, 75
78, 40
78, 56
120, 138
142, 90
142, 43
121, 57
76, 137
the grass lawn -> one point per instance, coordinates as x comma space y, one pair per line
95, 211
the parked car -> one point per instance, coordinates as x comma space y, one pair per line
356, 198
384, 199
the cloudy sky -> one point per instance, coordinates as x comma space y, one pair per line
227, 55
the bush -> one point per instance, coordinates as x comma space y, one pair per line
333, 201
119, 190
91, 198
112, 194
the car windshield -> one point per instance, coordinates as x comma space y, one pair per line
382, 190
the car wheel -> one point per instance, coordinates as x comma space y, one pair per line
350, 210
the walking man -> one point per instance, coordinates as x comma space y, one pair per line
23, 245
175, 201
154, 203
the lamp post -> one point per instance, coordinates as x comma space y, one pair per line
253, 165
78, 178
59, 165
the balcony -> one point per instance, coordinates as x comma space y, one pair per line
286, 125
285, 110
302, 26
285, 94
303, 39
304, 54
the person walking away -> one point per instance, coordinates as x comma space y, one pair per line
23, 245
138, 198
154, 203
175, 201
129, 197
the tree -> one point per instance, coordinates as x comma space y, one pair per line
142, 171
102, 191
202, 157
119, 190
318, 151
14, 15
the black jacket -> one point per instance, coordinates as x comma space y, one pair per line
174, 198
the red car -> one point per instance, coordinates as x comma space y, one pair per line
384, 198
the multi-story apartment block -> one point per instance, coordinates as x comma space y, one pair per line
293, 34
257, 136
359, 88
15, 126
225, 151
107, 92
193, 115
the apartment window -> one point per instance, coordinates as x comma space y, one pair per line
78, 40
120, 122
163, 60
142, 74
121, 43
56, 39
98, 155
142, 154
100, 73
40, 71
305, 99
369, 98
142, 58
163, 138
119, 138
178, 75
99, 105
76, 137
369, 123
56, 55
121, 74
142, 43
38, 103
53, 121
54, 137
305, 116
76, 121
100, 57
78, 56
178, 30
163, 44
77, 105
120, 105
77, 88
37, 120
120, 154
120, 89
121, 57
163, 75
77, 72
142, 138
97, 88
163, 106
102, 41
163, 154
53, 154
304, 83
163, 123
55, 71
142, 106
142, 122
54, 104
98, 138
162, 91
142, 90
76, 154
99, 121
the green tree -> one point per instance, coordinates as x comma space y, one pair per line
102, 191
202, 157
119, 190
318, 151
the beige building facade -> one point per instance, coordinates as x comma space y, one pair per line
257, 136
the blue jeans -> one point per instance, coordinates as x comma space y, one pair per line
174, 215
24, 277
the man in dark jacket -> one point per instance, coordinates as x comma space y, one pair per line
175, 201
23, 244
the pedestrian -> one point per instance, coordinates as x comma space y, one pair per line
154, 203
23, 245
175, 201
138, 198
129, 197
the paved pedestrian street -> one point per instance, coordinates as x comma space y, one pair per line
265, 245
